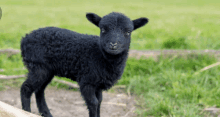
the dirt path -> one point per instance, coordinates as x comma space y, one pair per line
65, 103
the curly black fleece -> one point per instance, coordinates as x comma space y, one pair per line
95, 62
69, 54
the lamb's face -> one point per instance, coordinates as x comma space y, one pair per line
115, 31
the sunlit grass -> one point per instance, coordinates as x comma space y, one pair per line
167, 88
195, 21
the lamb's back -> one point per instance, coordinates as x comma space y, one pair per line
55, 46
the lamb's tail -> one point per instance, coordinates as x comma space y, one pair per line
31, 50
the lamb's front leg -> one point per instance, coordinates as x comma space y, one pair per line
99, 97
88, 93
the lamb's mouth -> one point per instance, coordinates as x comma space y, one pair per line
113, 51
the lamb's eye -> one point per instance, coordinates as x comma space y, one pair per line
103, 30
128, 33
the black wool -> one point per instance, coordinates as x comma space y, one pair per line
95, 62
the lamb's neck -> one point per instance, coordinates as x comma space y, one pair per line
117, 59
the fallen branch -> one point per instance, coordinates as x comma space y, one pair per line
129, 112
128, 91
207, 67
56, 80
15, 69
22, 76
10, 111
12, 76
9, 52
111, 103
213, 111
119, 86
66, 83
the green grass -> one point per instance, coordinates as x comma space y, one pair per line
167, 87
171, 88
195, 23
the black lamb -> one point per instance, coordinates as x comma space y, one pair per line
95, 62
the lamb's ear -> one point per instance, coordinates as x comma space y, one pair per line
92, 17
139, 22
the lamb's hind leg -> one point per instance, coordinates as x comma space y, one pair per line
27, 89
37, 81
39, 94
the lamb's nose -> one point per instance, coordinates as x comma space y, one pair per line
113, 46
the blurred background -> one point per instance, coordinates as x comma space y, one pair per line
170, 86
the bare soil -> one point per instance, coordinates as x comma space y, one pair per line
67, 103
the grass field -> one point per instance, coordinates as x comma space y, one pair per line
168, 87
179, 24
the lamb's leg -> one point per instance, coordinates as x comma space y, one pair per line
99, 97
26, 92
32, 82
88, 93
40, 98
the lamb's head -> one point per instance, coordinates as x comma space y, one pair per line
115, 31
